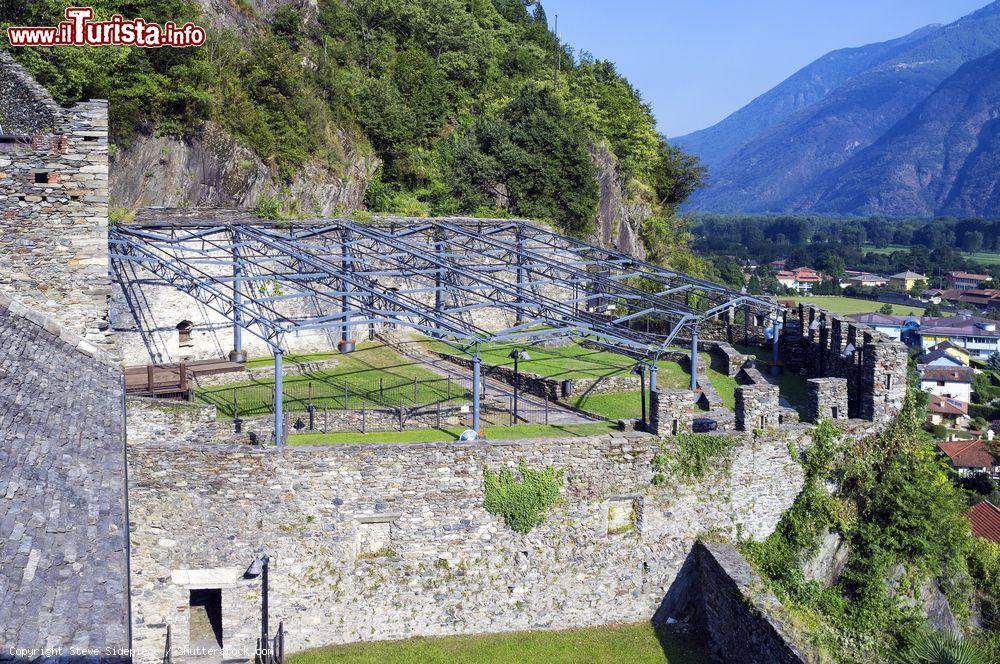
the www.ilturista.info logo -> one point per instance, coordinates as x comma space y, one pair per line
80, 30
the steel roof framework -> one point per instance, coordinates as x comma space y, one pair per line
444, 272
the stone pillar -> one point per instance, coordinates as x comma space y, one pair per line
756, 407
883, 380
671, 412
54, 205
827, 399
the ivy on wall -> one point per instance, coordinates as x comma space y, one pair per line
523, 503
690, 456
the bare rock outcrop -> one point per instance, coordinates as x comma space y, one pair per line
618, 218
211, 169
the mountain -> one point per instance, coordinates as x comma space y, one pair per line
807, 86
941, 159
786, 166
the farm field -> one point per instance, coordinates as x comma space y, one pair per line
981, 257
636, 644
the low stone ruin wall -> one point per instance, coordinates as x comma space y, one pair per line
373, 542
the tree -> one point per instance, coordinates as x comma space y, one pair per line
972, 241
993, 362
885, 309
933, 310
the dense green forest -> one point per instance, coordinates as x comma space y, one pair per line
876, 244
473, 106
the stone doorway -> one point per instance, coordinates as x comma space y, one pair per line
205, 620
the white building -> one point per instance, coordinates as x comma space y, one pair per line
948, 382
979, 336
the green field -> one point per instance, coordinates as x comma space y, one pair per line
373, 375
635, 644
849, 305
447, 434
981, 257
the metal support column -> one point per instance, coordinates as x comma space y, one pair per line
652, 375
775, 331
237, 295
694, 359
476, 362
521, 275
345, 345
439, 275
279, 399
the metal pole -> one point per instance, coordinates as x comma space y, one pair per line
515, 387
774, 329
345, 266
520, 282
439, 274
279, 398
652, 376
237, 295
642, 393
263, 608
694, 359
475, 392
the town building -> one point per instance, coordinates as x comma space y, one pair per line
970, 457
867, 281
906, 280
978, 336
950, 382
950, 413
900, 328
984, 517
957, 353
801, 279
965, 280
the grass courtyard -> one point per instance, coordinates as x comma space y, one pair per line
839, 304
635, 644
791, 386
372, 375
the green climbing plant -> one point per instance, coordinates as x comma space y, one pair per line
522, 502
690, 456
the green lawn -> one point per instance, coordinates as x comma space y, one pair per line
791, 386
628, 405
849, 305
452, 433
359, 372
572, 361
635, 644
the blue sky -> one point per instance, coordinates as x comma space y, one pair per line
697, 61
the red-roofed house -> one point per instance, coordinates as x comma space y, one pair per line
970, 457
948, 412
984, 518
965, 280
801, 279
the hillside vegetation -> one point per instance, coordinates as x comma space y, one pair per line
471, 107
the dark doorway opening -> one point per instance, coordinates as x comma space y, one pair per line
205, 618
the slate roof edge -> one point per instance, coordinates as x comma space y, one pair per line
57, 330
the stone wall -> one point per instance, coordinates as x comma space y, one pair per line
827, 399
54, 205
739, 615
391, 541
757, 407
671, 412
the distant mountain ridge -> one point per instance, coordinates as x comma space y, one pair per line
831, 138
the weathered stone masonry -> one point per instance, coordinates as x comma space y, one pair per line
54, 204
391, 541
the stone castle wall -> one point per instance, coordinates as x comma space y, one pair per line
54, 204
391, 541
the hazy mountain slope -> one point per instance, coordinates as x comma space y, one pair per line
807, 86
943, 158
779, 166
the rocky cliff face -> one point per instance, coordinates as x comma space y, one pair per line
210, 169
618, 219
246, 13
